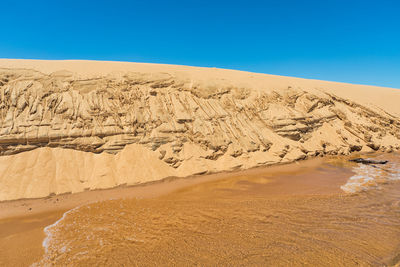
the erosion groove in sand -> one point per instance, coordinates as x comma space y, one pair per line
68, 126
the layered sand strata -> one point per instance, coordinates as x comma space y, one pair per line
69, 126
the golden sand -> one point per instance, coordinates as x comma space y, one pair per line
285, 215
72, 126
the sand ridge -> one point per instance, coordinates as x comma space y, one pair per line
69, 126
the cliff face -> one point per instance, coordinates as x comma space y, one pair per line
180, 124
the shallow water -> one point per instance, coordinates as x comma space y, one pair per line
372, 176
284, 219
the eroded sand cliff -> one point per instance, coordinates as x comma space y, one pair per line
69, 126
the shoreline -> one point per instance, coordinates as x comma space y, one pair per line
16, 207
32, 206
25, 219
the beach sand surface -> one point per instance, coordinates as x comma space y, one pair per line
296, 213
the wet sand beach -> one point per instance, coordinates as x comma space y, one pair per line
292, 214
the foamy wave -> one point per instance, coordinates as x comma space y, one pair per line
371, 177
48, 230
47, 243
54, 243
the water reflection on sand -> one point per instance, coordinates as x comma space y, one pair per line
301, 219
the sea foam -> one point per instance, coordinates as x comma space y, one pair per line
369, 176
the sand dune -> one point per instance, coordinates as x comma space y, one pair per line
68, 126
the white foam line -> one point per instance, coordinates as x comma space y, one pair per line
46, 230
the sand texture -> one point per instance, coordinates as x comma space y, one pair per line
70, 126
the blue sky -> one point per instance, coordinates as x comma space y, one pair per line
348, 41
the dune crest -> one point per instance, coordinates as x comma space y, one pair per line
68, 126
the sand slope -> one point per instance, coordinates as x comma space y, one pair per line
67, 126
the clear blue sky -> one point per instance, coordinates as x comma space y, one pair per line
355, 41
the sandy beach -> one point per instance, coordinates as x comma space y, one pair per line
23, 221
